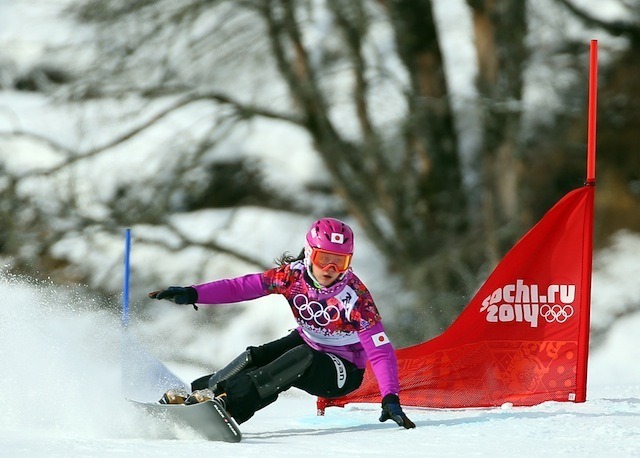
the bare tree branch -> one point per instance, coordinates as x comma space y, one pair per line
614, 27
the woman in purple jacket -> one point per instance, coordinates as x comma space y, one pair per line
339, 329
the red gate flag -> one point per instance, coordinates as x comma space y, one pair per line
524, 336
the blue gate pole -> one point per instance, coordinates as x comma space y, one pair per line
127, 269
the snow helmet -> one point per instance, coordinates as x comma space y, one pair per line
333, 239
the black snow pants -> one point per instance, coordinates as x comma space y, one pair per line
324, 375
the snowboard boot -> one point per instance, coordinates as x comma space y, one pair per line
199, 396
174, 396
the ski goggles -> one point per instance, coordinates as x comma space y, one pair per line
324, 259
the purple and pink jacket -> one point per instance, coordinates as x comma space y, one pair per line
341, 319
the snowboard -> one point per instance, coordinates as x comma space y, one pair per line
206, 418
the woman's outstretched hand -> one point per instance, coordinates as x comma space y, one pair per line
178, 294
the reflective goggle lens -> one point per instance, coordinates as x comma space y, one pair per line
324, 259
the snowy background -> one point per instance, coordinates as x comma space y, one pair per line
61, 350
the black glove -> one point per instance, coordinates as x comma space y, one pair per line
391, 410
178, 294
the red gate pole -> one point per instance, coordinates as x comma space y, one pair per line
587, 247
593, 104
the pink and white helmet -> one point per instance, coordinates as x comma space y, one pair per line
332, 235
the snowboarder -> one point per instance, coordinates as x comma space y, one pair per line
339, 329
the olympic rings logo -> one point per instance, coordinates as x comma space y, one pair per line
559, 313
315, 311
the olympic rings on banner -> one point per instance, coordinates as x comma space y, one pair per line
559, 313
314, 311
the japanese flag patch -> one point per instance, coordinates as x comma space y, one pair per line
380, 339
336, 237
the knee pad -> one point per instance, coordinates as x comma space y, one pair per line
241, 363
280, 374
